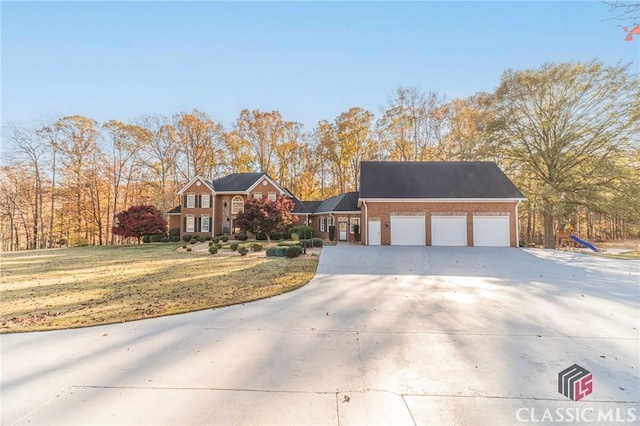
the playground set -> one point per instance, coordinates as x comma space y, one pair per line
567, 239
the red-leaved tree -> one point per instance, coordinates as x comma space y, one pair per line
266, 216
139, 221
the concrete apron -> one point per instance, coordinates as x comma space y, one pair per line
382, 335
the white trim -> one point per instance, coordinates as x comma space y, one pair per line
366, 221
438, 200
282, 190
191, 182
517, 228
336, 212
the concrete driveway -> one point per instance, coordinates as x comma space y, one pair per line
381, 335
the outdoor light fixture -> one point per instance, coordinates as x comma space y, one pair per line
386, 224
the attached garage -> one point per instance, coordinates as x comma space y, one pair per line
408, 231
491, 231
449, 230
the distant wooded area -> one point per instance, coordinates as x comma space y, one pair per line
567, 134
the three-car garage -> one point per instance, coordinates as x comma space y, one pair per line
450, 230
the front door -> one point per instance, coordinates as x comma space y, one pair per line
343, 231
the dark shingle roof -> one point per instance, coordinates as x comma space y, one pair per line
175, 210
347, 202
312, 206
236, 181
477, 179
299, 206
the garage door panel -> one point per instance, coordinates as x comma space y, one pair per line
491, 231
449, 231
407, 231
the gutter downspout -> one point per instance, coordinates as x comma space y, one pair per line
366, 221
517, 226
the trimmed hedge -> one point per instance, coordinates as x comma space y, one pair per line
234, 246
213, 250
256, 247
304, 232
243, 251
242, 237
294, 251
186, 238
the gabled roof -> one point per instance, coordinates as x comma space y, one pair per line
175, 210
439, 180
312, 206
347, 202
299, 206
237, 182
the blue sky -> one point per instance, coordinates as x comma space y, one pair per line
310, 61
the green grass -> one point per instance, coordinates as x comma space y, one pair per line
85, 286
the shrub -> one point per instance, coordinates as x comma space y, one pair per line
200, 238
146, 238
316, 242
164, 240
294, 237
216, 240
175, 239
522, 243
261, 236
79, 242
294, 251
193, 241
207, 238
234, 246
332, 232
243, 251
184, 246
305, 243
224, 238
188, 248
156, 238
242, 237
210, 243
303, 231
281, 251
219, 245
186, 238
213, 250
284, 244
256, 247
272, 251
174, 232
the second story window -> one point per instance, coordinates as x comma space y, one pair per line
272, 196
206, 201
191, 201
257, 196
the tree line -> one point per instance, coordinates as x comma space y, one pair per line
566, 134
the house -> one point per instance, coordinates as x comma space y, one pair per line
438, 204
210, 207
399, 203
341, 212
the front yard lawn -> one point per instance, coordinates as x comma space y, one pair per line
84, 286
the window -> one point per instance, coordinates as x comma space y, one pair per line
354, 221
329, 222
257, 196
272, 196
189, 224
191, 201
204, 224
206, 201
237, 204
323, 222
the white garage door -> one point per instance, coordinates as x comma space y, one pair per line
407, 231
491, 231
448, 230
